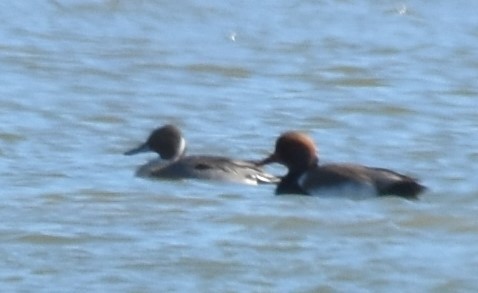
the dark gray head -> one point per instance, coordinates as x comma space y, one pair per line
167, 141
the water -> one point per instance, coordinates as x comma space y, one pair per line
390, 84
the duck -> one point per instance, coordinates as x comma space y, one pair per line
305, 176
173, 163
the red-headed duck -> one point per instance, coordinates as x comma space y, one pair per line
299, 154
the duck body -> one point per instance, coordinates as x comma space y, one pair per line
307, 177
173, 164
349, 180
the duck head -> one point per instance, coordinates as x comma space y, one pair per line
295, 150
167, 141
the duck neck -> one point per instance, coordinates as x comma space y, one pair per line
180, 151
182, 147
290, 184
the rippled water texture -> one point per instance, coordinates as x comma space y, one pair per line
382, 83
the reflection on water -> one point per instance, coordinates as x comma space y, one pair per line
384, 84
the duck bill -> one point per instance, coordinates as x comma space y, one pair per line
269, 160
141, 149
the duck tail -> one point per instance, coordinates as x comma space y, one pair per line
409, 189
265, 178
